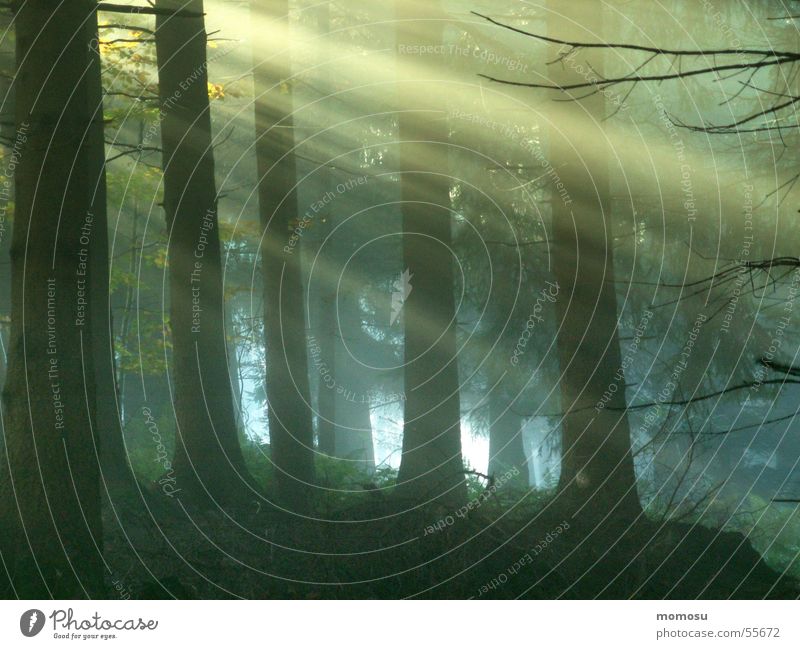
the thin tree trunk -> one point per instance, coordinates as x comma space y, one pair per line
353, 425
326, 291
116, 471
506, 449
208, 460
50, 500
326, 394
127, 314
431, 467
234, 370
597, 472
344, 428
290, 423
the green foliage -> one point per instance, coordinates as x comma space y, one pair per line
149, 448
343, 484
772, 528
258, 463
347, 486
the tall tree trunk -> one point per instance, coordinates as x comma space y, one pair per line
597, 471
208, 460
353, 425
7, 132
326, 394
344, 428
431, 466
126, 316
235, 369
326, 286
290, 423
506, 448
114, 466
50, 499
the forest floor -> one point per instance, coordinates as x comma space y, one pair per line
367, 551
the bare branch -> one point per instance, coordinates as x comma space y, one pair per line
150, 11
638, 48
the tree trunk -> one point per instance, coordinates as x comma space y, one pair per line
431, 467
50, 492
344, 428
326, 394
507, 459
353, 425
597, 471
115, 469
290, 423
326, 286
208, 460
126, 316
7, 132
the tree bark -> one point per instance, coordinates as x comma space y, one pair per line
290, 422
208, 460
353, 424
326, 395
115, 469
506, 448
344, 429
7, 132
326, 287
50, 487
431, 467
597, 471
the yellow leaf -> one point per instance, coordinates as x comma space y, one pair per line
216, 91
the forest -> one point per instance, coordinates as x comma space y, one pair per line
434, 299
